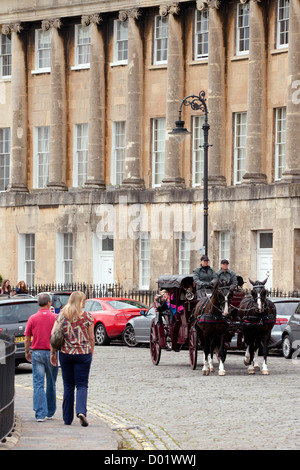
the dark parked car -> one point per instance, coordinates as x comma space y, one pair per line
14, 313
285, 307
291, 335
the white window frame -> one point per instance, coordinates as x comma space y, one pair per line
280, 141
224, 245
64, 258
184, 255
120, 51
158, 151
242, 29
41, 142
201, 34
4, 158
5, 55
118, 152
26, 258
82, 43
144, 260
39, 50
198, 151
282, 24
80, 154
240, 135
160, 40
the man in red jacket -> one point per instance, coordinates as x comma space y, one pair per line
39, 326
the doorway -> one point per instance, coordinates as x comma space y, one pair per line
103, 259
265, 258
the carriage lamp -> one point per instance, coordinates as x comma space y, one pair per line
197, 103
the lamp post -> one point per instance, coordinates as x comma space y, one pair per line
197, 103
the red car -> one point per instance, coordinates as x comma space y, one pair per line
111, 315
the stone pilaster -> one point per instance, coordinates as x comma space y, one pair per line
18, 152
292, 157
58, 108
256, 114
96, 125
216, 93
175, 94
134, 110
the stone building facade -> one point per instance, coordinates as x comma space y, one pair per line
93, 186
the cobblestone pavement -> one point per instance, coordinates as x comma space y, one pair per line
172, 407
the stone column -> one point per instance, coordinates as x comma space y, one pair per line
18, 151
256, 114
96, 125
292, 157
216, 93
58, 108
175, 94
134, 110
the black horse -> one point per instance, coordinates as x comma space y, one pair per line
212, 325
258, 316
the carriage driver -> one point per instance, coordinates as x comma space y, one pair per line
205, 278
225, 274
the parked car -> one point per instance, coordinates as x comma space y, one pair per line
291, 334
58, 299
137, 330
111, 315
14, 313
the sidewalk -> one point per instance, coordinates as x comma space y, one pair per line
52, 434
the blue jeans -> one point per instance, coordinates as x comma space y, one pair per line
44, 403
75, 370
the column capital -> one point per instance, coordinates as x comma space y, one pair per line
12, 28
202, 5
134, 13
248, 1
94, 18
53, 23
169, 9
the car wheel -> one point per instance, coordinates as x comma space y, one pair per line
129, 336
287, 349
101, 338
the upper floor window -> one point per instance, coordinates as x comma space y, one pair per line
201, 34
42, 50
160, 40
5, 55
283, 14
80, 154
198, 152
224, 245
4, 158
82, 46
41, 156
242, 29
240, 135
158, 151
280, 138
118, 152
120, 42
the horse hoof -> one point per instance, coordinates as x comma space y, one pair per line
211, 369
256, 368
251, 371
222, 372
246, 362
205, 372
265, 372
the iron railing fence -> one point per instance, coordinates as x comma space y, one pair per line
7, 385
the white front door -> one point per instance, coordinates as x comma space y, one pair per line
103, 260
265, 258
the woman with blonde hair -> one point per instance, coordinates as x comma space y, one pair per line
75, 356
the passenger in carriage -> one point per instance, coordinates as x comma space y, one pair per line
205, 278
225, 274
165, 303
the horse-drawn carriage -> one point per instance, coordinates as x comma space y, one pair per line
210, 323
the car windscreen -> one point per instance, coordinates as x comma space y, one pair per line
122, 304
17, 312
285, 308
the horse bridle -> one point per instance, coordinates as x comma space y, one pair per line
259, 303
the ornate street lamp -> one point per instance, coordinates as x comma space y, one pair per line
197, 103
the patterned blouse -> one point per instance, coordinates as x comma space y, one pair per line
76, 334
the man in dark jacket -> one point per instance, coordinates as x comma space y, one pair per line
205, 278
225, 274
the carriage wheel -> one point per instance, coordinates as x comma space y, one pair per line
193, 348
155, 349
